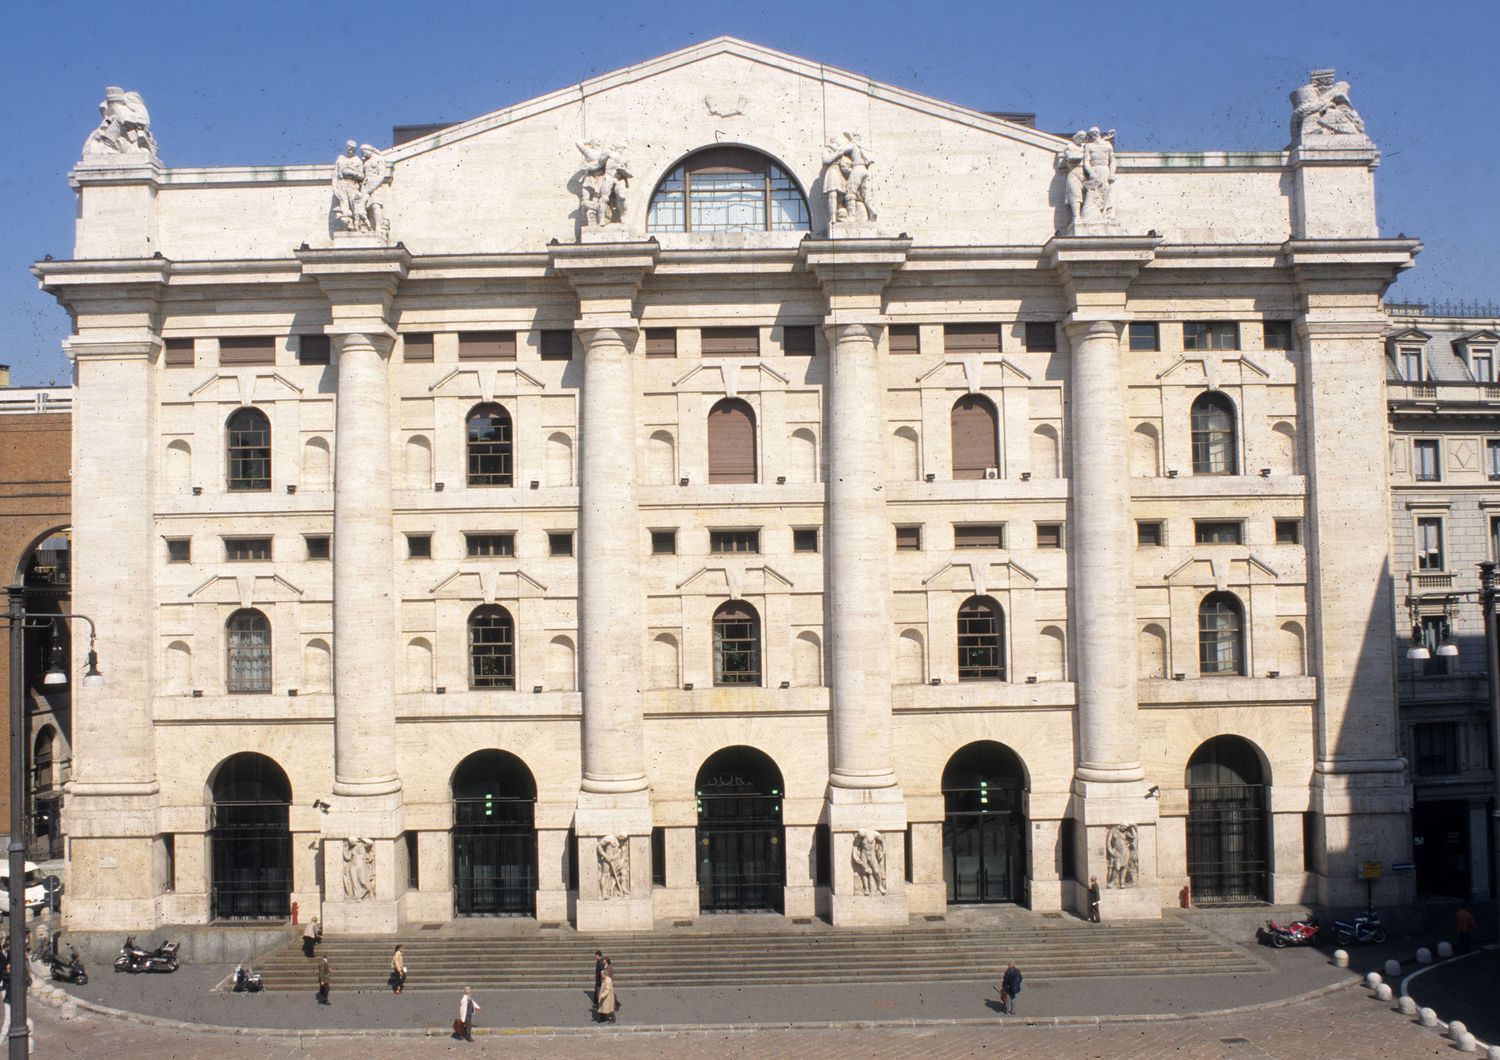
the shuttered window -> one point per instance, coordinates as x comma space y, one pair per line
178, 353
971, 338
1041, 338
906, 338
314, 349
731, 442
661, 342
487, 346
975, 429
798, 341
247, 350
731, 342
908, 538
557, 345
417, 346
988, 535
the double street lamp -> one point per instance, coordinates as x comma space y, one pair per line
21, 620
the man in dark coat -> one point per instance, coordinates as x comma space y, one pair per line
1010, 986
1094, 899
598, 975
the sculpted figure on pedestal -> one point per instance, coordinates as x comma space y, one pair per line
356, 179
606, 175
848, 181
1089, 166
869, 860
1122, 855
124, 128
1322, 108
614, 866
359, 869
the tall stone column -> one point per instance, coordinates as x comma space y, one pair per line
864, 799
367, 817
1109, 796
614, 800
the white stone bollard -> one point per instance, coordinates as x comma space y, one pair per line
1424, 956
1456, 1028
1341, 958
1408, 1005
1466, 1043
1373, 979
1393, 969
1445, 949
1383, 992
1427, 1018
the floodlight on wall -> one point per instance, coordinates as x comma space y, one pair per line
437, 487
1171, 472
1179, 677
291, 691
536, 688
441, 689
1265, 472
1031, 680
197, 491
197, 693
536, 484
786, 684
1273, 673
687, 686
683, 481
936, 681
1026, 476
291, 487
930, 477
781, 480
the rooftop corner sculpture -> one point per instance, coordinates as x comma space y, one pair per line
357, 178
124, 132
1321, 109
1089, 165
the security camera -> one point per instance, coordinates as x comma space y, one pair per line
1153, 792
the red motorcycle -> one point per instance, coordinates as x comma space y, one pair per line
1298, 933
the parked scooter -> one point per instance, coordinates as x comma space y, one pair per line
69, 971
1364, 928
247, 981
1297, 933
133, 959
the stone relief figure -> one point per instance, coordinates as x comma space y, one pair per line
606, 175
848, 181
1322, 108
614, 866
359, 869
1122, 855
357, 177
869, 860
124, 127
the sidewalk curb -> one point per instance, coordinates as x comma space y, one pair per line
51, 998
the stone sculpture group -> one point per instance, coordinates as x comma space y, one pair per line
848, 181
1322, 108
1089, 166
359, 869
606, 175
614, 866
124, 129
869, 861
356, 180
1122, 855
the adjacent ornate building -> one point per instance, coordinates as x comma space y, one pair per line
731, 484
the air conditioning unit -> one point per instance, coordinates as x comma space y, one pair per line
992, 472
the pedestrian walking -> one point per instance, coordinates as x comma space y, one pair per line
1010, 986
398, 971
608, 1003
1094, 899
1463, 923
325, 980
598, 975
312, 934
463, 1027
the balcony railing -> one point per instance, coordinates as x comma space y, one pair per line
1459, 392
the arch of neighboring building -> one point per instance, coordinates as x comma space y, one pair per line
250, 839
1229, 853
984, 826
741, 841
494, 835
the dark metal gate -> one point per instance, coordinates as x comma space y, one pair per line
1226, 843
251, 849
494, 857
983, 857
741, 853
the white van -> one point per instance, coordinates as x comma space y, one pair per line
36, 894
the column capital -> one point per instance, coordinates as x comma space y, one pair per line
1097, 271
360, 284
865, 330
605, 276
854, 272
620, 332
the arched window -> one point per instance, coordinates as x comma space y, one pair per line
1221, 635
736, 644
492, 648
249, 651
489, 446
976, 434
981, 640
249, 451
731, 442
728, 189
1214, 444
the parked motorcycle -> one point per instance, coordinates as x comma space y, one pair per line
69, 971
133, 959
1364, 928
1297, 933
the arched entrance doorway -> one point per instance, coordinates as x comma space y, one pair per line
46, 572
984, 827
741, 847
250, 840
1226, 823
494, 836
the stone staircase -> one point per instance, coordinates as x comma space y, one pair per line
449, 957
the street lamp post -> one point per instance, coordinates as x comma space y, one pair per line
17, 616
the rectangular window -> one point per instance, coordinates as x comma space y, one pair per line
169, 861
906, 338
658, 856
1276, 334
179, 550
247, 350
971, 338
728, 541
664, 542
416, 348
1425, 466
822, 856
1434, 748
246, 549
1429, 540
413, 862
1145, 336
798, 341
1049, 535
1495, 538
1217, 532
1041, 337
178, 353
661, 342
557, 345
314, 349
1148, 535
1492, 458
1289, 531
731, 342
487, 346
317, 546
419, 546
480, 546
1210, 335
908, 538
560, 543
1482, 365
805, 540
1411, 364
989, 535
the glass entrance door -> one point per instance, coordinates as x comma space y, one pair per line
982, 857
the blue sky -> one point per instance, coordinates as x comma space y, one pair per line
273, 82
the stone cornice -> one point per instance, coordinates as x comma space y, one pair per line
606, 277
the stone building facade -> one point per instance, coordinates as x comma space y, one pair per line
652, 499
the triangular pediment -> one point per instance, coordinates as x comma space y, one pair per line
245, 590
487, 382
488, 584
730, 377
246, 387
735, 581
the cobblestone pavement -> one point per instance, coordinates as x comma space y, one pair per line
1344, 1023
